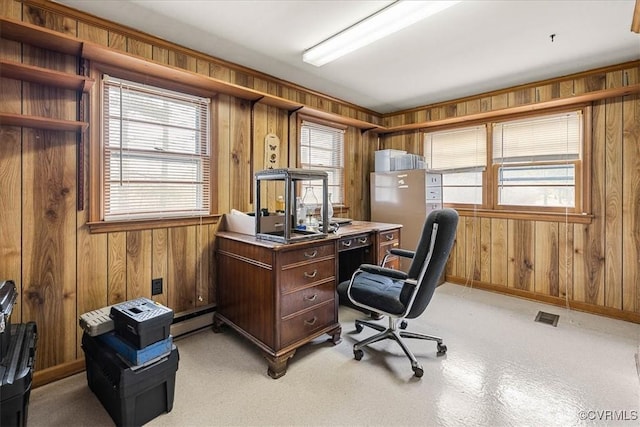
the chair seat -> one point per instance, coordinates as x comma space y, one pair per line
379, 292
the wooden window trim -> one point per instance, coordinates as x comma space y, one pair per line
96, 222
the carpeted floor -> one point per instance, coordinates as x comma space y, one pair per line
502, 369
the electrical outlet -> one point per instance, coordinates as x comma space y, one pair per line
156, 286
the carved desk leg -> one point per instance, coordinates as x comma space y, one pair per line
335, 335
278, 364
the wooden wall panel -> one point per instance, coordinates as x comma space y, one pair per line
499, 251
48, 242
93, 34
159, 262
181, 274
139, 249
521, 254
485, 250
472, 239
460, 250
11, 170
631, 204
222, 152
546, 268
613, 201
589, 239
202, 283
239, 149
116, 267
565, 260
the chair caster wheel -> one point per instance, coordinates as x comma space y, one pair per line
357, 354
442, 349
403, 324
418, 371
359, 327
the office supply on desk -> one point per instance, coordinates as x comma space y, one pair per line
399, 295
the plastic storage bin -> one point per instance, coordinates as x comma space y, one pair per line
132, 396
141, 321
8, 295
16, 371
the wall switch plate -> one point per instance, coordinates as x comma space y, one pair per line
156, 286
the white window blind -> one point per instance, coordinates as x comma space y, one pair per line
461, 156
322, 148
456, 149
156, 159
549, 138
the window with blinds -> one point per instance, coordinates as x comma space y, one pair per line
460, 155
156, 152
536, 160
322, 148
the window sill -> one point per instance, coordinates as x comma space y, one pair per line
572, 218
148, 224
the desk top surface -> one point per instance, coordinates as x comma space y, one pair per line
356, 227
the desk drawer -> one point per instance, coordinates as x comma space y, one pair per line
302, 325
306, 274
389, 237
309, 253
306, 298
353, 242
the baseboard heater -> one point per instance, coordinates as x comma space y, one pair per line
192, 321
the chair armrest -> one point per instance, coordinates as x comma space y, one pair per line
405, 253
388, 272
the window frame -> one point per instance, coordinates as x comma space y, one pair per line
581, 213
95, 176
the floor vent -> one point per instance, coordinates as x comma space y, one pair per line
548, 318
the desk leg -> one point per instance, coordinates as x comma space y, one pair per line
335, 335
278, 364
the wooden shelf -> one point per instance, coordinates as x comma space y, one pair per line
9, 119
18, 71
38, 36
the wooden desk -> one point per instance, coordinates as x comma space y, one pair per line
281, 296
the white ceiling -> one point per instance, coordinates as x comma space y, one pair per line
473, 47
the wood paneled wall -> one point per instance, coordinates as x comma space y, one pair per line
60, 268
593, 267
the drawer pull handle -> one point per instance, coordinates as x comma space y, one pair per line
312, 297
347, 243
311, 322
312, 254
362, 240
389, 237
311, 275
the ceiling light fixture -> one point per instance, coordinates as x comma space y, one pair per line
398, 15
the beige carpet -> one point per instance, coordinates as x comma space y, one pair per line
502, 368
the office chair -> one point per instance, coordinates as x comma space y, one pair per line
401, 295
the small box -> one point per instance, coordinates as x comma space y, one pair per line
16, 372
141, 321
384, 159
243, 223
97, 322
8, 295
137, 357
131, 396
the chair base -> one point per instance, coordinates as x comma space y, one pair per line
393, 333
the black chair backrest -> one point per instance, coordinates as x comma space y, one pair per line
447, 220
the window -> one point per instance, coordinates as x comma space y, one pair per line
536, 161
460, 154
322, 148
155, 152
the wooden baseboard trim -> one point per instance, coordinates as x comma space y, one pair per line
57, 372
548, 299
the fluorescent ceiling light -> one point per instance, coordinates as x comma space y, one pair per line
396, 16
